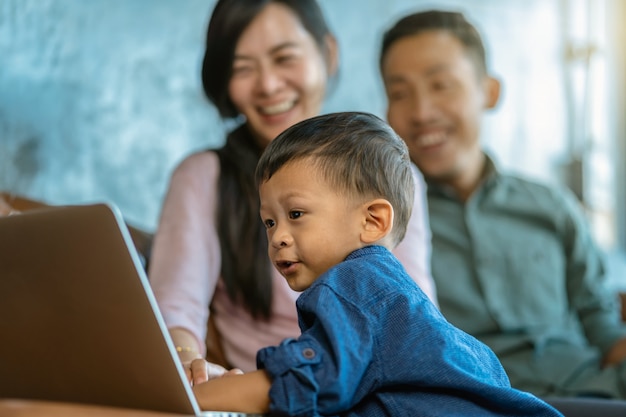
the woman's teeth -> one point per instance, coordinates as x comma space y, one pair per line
278, 108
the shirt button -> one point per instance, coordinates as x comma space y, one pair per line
308, 353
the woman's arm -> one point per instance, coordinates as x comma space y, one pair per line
415, 249
197, 371
186, 259
186, 344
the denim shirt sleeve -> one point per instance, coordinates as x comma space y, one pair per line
316, 373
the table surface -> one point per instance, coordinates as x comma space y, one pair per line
32, 408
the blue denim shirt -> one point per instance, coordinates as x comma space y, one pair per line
373, 344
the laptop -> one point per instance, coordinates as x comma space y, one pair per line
78, 319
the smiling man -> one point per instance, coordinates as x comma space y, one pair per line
513, 260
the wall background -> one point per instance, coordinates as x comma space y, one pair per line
100, 99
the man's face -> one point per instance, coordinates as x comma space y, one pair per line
435, 103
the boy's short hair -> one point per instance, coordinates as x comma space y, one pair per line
454, 23
357, 153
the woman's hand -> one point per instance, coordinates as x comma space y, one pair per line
199, 371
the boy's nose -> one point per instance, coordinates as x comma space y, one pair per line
281, 239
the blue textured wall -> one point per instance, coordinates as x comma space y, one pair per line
100, 99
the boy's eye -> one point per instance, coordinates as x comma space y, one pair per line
442, 84
269, 223
295, 214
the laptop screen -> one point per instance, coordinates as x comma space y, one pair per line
77, 312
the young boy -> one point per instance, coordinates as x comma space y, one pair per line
336, 194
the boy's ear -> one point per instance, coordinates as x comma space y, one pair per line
378, 220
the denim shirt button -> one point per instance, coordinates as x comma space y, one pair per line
308, 353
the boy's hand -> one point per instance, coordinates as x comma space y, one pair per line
199, 371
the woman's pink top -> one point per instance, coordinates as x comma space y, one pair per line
186, 262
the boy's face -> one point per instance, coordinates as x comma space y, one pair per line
310, 227
435, 102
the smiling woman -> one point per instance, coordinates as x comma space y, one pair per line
267, 64
276, 87
88, 89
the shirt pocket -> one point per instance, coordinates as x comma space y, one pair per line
535, 279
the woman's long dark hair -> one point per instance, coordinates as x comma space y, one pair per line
246, 269
245, 262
